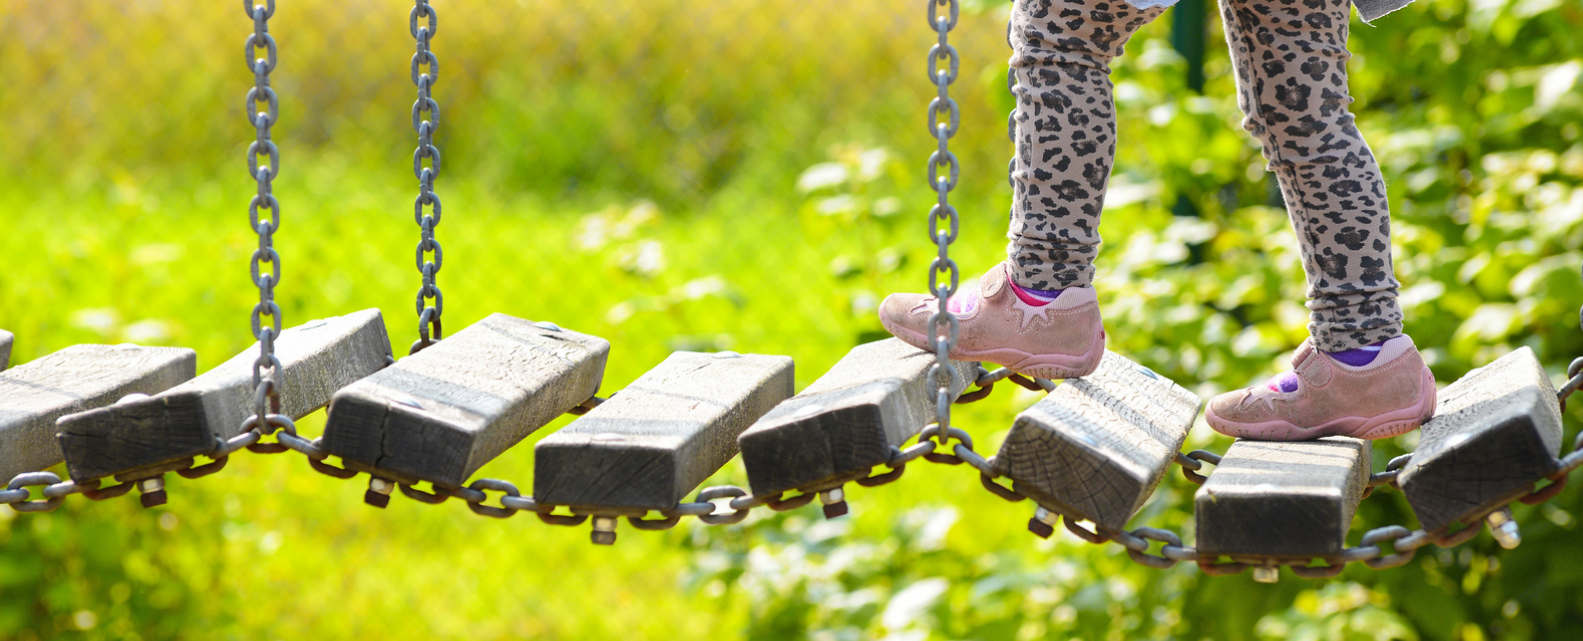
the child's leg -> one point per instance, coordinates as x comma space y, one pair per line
1065, 131
1291, 58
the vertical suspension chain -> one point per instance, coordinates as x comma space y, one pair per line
426, 119
262, 109
944, 119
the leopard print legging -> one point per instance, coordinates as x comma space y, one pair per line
1290, 58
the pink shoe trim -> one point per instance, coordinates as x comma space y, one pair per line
1385, 425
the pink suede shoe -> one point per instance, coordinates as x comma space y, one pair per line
1390, 396
1062, 338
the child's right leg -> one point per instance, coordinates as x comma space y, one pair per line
1036, 313
1065, 130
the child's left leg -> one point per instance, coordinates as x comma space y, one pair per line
1358, 376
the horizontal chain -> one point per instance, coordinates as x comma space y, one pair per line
987, 379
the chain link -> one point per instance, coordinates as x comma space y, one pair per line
266, 416
426, 120
943, 325
987, 379
1193, 463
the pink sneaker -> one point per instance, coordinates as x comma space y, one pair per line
1060, 338
1392, 395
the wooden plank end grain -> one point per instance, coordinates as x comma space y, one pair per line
875, 398
660, 437
317, 358
81, 377
1282, 500
442, 413
1096, 447
1496, 431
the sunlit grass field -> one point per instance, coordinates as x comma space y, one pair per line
688, 174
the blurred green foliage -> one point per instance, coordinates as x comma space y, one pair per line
745, 175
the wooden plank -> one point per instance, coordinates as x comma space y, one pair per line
1496, 431
1097, 446
1282, 500
875, 398
444, 412
81, 377
651, 444
316, 358
5, 349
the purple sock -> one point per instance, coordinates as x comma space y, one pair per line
1035, 297
1358, 357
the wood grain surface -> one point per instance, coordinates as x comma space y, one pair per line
1282, 500
1097, 446
442, 413
656, 440
317, 358
1496, 431
81, 377
875, 398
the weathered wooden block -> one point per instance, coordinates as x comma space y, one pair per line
316, 358
1496, 431
661, 436
442, 413
81, 377
1097, 446
875, 398
5, 349
1282, 499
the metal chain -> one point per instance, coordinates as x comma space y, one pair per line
718, 505
987, 379
263, 110
426, 119
943, 325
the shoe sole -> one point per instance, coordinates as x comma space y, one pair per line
1369, 428
1048, 366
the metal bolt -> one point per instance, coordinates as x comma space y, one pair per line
1266, 573
727, 354
834, 502
153, 491
548, 325
1043, 522
1504, 528
378, 494
604, 530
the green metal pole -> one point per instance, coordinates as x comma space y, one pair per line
1189, 31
